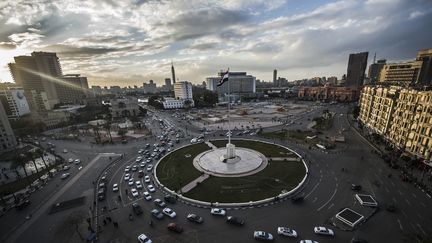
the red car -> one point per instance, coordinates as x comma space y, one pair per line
174, 227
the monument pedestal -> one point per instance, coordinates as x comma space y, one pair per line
230, 156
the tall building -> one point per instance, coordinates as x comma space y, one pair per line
410, 73
173, 73
73, 89
356, 69
375, 70
403, 116
14, 102
7, 137
149, 88
239, 82
274, 77
168, 82
183, 90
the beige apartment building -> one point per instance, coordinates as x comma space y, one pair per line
402, 115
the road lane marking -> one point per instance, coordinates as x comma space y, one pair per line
334, 193
400, 193
403, 212
394, 200
421, 229
314, 200
331, 205
387, 190
408, 201
313, 189
413, 195
424, 205
392, 183
335, 178
400, 224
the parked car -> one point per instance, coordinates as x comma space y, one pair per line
151, 188
22, 204
159, 202
131, 182
156, 213
218, 211
115, 188
175, 227
140, 174
134, 192
235, 221
296, 200
286, 232
147, 179
64, 176
356, 187
149, 168
126, 177
170, 199
308, 241
323, 231
147, 196
127, 168
137, 208
169, 212
195, 218
77, 161
261, 235
142, 238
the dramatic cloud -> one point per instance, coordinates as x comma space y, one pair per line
130, 42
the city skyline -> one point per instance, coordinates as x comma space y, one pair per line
120, 46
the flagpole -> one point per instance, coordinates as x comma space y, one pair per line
229, 110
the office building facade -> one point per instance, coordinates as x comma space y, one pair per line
73, 90
7, 137
149, 88
356, 69
14, 103
183, 90
239, 82
411, 73
375, 70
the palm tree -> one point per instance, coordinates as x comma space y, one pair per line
40, 154
31, 156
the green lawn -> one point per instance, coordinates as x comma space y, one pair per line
268, 150
277, 176
175, 170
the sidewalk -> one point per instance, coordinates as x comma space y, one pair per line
191, 185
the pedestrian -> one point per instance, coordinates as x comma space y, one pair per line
104, 222
109, 219
115, 224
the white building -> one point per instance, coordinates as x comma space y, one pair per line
183, 90
239, 82
14, 103
171, 103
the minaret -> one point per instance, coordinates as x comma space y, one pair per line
173, 72
374, 58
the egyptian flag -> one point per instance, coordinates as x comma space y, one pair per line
224, 78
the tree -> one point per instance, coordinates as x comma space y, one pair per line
20, 160
122, 132
187, 104
154, 101
40, 154
31, 156
107, 126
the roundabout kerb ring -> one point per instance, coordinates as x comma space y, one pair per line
205, 204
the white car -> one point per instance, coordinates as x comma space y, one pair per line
147, 196
147, 179
126, 177
323, 231
142, 165
169, 212
138, 184
149, 167
115, 188
151, 188
286, 232
142, 238
127, 169
65, 151
131, 182
134, 192
70, 160
218, 211
77, 161
308, 241
134, 168
64, 176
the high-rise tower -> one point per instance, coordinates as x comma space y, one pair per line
173, 73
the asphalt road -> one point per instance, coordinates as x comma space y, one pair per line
328, 189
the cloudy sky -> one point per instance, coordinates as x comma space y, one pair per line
127, 42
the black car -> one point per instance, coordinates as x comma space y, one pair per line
137, 209
170, 199
156, 213
22, 204
391, 207
297, 199
356, 187
235, 221
195, 218
175, 227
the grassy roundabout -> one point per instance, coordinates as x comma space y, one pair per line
277, 176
